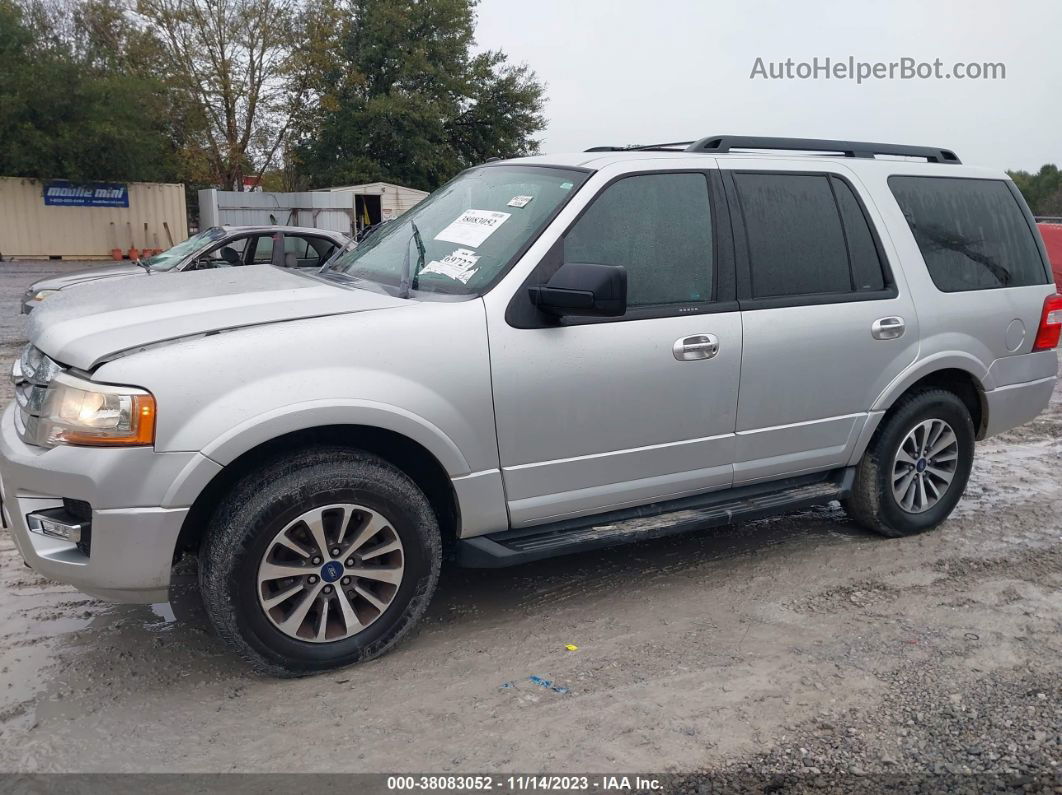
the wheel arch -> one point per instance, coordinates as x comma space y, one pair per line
963, 376
401, 451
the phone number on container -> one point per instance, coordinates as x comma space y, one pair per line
483, 783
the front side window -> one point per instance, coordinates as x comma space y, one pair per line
469, 230
658, 227
229, 254
972, 233
263, 249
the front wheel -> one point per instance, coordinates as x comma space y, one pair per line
320, 559
917, 466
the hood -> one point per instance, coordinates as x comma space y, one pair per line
86, 326
89, 275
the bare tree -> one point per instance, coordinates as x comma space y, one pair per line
231, 57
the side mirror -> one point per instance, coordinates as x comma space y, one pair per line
583, 289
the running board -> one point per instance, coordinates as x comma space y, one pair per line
657, 520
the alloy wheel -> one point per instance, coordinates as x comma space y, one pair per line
330, 573
925, 465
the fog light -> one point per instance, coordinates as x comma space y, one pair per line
55, 524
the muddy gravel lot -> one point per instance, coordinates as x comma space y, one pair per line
793, 653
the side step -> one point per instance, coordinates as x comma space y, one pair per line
654, 521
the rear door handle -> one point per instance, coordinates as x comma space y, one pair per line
887, 328
697, 346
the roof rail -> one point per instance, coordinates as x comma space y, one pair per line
719, 144
676, 146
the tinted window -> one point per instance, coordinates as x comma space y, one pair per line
972, 233
796, 245
867, 272
658, 227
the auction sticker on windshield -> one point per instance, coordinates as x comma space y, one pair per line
473, 227
460, 265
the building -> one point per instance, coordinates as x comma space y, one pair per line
375, 202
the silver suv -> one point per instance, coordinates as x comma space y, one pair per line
548, 355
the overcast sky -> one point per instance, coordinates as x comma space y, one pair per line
645, 71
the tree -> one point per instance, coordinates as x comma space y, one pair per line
228, 58
1042, 190
66, 114
398, 95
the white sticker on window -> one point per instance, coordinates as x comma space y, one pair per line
460, 265
566, 186
520, 201
473, 227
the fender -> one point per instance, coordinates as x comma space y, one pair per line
314, 413
950, 360
302, 416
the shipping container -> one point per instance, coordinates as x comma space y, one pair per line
67, 220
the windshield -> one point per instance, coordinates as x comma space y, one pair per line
470, 229
172, 257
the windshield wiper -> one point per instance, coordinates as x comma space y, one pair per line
409, 275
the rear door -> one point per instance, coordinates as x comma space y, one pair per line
827, 322
596, 414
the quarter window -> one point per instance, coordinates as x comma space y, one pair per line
867, 272
658, 227
972, 233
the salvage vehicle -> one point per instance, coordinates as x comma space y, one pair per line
216, 247
550, 354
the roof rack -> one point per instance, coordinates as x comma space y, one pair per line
676, 146
719, 144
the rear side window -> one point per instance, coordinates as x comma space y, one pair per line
658, 227
807, 235
972, 233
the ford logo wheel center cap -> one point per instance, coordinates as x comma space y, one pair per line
331, 571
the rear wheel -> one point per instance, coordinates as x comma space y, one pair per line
917, 466
319, 560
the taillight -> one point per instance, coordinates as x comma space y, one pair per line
1050, 324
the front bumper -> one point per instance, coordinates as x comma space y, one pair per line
133, 537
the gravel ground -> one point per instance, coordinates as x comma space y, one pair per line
792, 654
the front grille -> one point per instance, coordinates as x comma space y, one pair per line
31, 374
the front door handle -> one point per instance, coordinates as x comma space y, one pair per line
887, 328
698, 346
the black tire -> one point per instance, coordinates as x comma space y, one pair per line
872, 502
262, 504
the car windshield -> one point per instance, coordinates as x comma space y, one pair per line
468, 231
172, 257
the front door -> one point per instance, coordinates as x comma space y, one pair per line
598, 414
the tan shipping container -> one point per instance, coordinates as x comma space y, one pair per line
29, 228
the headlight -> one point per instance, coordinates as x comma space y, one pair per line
40, 295
84, 413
